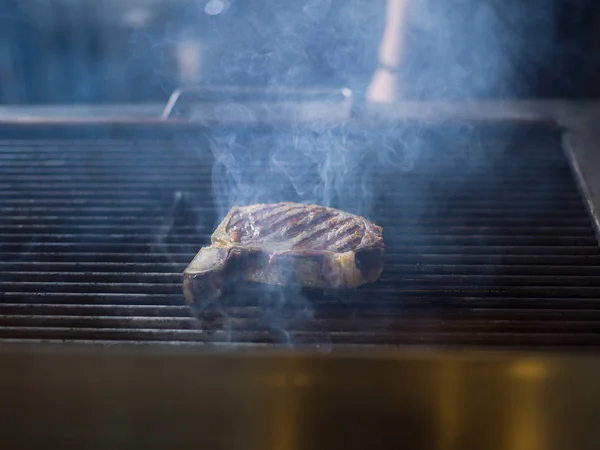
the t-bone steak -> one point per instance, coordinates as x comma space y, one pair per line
286, 244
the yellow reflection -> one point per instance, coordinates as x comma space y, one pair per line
527, 413
449, 406
286, 412
529, 369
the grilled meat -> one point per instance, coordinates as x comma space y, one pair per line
286, 243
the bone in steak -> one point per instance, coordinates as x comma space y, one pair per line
284, 244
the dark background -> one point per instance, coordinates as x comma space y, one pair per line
83, 51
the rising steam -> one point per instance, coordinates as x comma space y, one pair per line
311, 164
456, 50
459, 49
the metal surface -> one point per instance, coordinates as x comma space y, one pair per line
515, 111
188, 398
580, 141
488, 240
259, 104
95, 232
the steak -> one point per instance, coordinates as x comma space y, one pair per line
286, 244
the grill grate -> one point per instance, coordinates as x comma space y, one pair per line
488, 242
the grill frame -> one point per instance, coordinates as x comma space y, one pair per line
146, 395
502, 113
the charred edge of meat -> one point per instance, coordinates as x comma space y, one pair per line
203, 291
369, 262
204, 280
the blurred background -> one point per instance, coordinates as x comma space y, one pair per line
136, 51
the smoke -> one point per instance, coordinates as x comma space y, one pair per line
312, 163
340, 166
455, 50
464, 49
312, 43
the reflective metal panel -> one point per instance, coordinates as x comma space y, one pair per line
186, 397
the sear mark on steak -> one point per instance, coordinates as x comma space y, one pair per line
286, 244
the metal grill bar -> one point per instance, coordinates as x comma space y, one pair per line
488, 243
